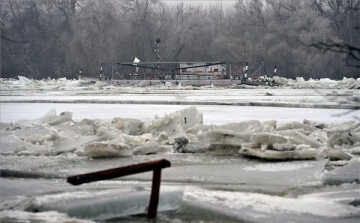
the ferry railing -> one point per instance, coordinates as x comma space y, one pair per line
154, 166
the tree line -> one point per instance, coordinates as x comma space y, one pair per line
304, 38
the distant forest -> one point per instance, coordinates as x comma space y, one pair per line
56, 38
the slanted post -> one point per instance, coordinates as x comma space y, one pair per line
154, 166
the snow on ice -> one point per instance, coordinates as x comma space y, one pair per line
256, 171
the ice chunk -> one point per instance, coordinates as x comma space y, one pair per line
128, 126
268, 126
175, 123
103, 205
182, 145
70, 144
107, 149
87, 127
248, 126
296, 125
24, 81
135, 141
162, 137
320, 136
147, 148
11, 144
69, 129
346, 194
335, 155
35, 150
300, 153
57, 120
107, 133
49, 116
318, 125
343, 138
254, 207
347, 174
198, 128
28, 131
196, 147
328, 81
282, 146
223, 136
219, 149
300, 138
268, 138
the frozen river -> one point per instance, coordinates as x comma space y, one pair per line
212, 176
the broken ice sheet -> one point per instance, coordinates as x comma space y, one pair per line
253, 207
104, 204
50, 216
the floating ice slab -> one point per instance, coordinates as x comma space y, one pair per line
103, 205
347, 174
253, 207
51, 216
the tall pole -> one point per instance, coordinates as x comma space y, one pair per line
246, 70
112, 71
79, 77
274, 71
158, 55
101, 72
230, 72
157, 41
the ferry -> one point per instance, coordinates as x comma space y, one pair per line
217, 73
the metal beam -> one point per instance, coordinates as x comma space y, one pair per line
154, 166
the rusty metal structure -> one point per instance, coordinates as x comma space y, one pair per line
155, 166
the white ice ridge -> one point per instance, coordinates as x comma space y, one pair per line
180, 132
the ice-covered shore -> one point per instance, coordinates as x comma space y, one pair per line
66, 84
248, 171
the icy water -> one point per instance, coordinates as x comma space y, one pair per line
289, 156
